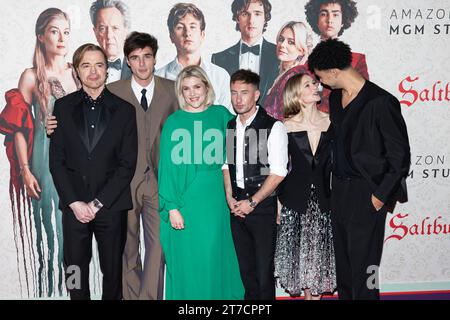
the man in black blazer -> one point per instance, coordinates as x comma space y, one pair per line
371, 158
93, 158
252, 52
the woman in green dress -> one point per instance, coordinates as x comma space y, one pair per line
195, 220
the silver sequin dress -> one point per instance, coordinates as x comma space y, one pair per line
304, 256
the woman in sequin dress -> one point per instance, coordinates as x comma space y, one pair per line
304, 258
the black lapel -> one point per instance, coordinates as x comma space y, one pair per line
234, 57
104, 118
352, 117
80, 120
126, 71
265, 68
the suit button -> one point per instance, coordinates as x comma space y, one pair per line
89, 158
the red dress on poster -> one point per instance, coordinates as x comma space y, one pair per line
16, 116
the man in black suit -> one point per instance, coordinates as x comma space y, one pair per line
93, 158
371, 160
252, 52
111, 21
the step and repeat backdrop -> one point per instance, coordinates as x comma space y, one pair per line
405, 44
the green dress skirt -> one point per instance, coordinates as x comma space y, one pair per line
201, 261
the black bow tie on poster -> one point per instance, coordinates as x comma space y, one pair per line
116, 64
255, 49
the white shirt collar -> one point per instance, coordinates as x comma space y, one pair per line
137, 87
249, 120
177, 66
119, 57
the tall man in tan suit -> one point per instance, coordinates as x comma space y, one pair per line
154, 100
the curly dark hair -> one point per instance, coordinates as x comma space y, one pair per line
348, 8
238, 5
330, 54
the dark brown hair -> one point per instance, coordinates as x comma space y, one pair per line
239, 5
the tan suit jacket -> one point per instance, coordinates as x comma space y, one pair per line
146, 281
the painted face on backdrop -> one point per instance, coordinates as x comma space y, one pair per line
251, 21
56, 36
287, 50
111, 32
194, 92
187, 35
92, 70
142, 63
330, 20
243, 97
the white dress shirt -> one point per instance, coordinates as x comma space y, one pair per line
249, 60
219, 77
114, 74
277, 149
137, 90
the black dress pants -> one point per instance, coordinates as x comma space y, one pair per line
109, 228
358, 236
254, 239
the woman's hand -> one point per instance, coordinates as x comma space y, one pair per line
232, 203
176, 219
31, 184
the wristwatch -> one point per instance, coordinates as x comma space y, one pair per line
253, 203
97, 203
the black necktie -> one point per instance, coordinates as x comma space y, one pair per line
245, 48
117, 64
144, 103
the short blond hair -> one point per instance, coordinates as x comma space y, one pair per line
291, 95
197, 72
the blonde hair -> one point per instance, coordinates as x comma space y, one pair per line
302, 37
291, 95
197, 72
40, 55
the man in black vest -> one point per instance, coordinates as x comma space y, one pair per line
257, 163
